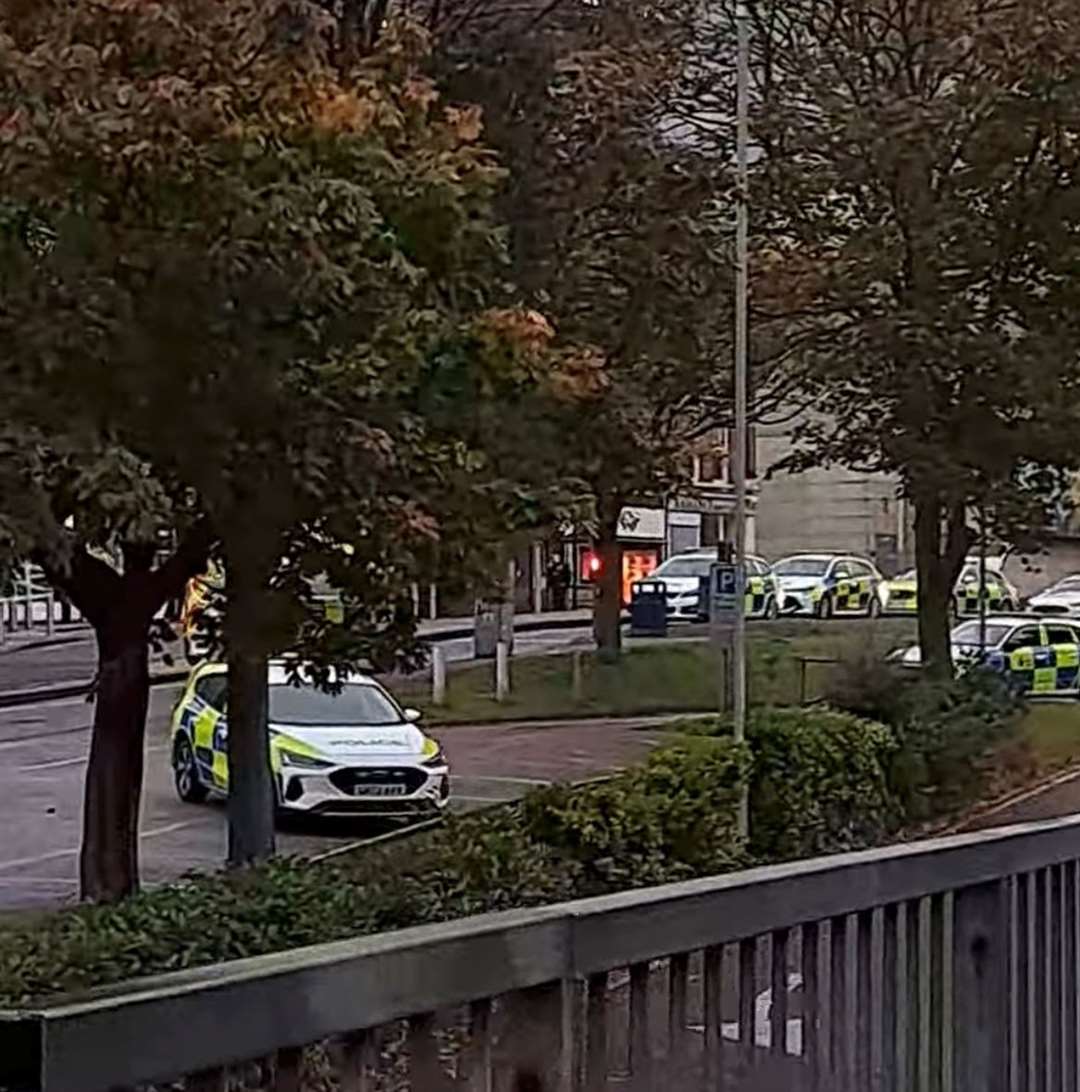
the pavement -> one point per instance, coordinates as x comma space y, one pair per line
34, 667
1053, 798
43, 750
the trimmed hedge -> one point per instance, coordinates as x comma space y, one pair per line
669, 819
819, 781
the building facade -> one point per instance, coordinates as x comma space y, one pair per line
829, 509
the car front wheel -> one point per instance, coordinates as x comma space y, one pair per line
772, 609
186, 774
824, 607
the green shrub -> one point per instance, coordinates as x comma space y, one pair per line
946, 730
819, 782
669, 819
672, 818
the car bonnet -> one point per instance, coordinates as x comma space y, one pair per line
356, 742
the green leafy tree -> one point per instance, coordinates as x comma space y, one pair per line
620, 232
260, 247
915, 198
114, 541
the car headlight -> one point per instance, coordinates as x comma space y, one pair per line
433, 754
303, 762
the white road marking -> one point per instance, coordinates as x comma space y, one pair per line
57, 763
29, 741
52, 765
56, 854
40, 881
41, 858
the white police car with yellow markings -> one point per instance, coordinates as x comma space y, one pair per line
902, 593
354, 752
823, 585
682, 576
1037, 655
1001, 596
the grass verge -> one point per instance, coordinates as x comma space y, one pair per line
661, 677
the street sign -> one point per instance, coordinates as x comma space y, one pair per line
723, 591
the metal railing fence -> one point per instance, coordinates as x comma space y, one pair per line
948, 965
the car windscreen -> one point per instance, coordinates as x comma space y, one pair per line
968, 634
910, 576
355, 704
801, 566
683, 567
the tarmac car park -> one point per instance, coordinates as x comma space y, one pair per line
353, 752
1040, 656
824, 585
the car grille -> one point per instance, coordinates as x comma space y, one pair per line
382, 806
347, 780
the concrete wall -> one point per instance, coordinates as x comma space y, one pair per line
829, 508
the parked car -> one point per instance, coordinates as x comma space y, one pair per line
901, 594
824, 585
1040, 656
353, 752
1001, 596
1061, 597
682, 575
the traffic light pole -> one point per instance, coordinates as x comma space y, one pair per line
738, 462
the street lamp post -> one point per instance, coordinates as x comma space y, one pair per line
738, 462
982, 582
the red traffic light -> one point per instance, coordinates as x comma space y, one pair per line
590, 565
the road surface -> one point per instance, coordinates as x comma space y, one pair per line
43, 758
75, 659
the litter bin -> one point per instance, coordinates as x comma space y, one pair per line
494, 622
648, 609
704, 600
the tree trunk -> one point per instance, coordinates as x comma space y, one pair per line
933, 595
251, 803
109, 859
938, 563
607, 603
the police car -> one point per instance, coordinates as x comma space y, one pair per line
682, 576
356, 752
1040, 655
902, 593
824, 585
1001, 596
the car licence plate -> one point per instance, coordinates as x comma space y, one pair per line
379, 790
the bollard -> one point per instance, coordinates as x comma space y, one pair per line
414, 590
433, 602
577, 681
502, 671
438, 676
29, 620
49, 620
